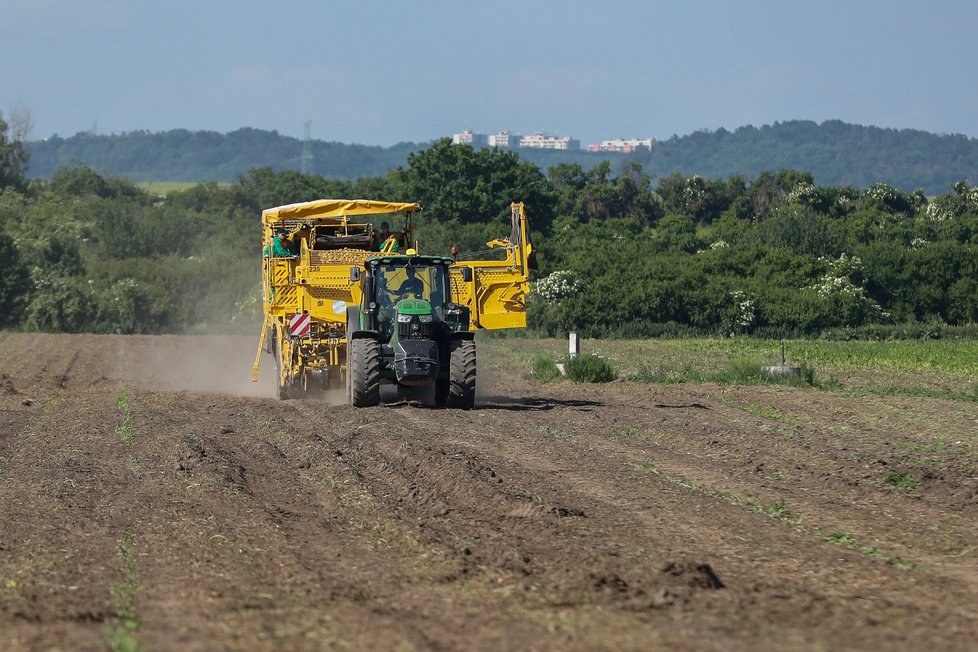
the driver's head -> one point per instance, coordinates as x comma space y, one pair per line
409, 271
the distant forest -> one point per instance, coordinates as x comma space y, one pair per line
836, 153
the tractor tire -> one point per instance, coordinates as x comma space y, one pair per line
284, 393
364, 364
461, 381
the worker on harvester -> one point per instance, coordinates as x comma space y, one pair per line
282, 246
382, 236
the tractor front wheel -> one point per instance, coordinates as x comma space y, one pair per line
461, 381
364, 365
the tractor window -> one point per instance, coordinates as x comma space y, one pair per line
428, 282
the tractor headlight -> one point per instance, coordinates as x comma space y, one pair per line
425, 319
404, 319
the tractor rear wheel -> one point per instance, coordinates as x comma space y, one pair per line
364, 365
461, 381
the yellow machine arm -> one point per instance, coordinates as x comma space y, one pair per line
495, 290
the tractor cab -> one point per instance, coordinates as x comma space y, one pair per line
399, 288
414, 329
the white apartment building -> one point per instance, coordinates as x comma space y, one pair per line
467, 137
622, 145
504, 139
541, 140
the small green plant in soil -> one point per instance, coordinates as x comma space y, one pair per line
776, 509
905, 481
625, 431
122, 637
549, 431
648, 466
849, 541
124, 429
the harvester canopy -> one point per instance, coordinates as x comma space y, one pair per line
334, 208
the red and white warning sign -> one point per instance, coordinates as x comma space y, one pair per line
299, 325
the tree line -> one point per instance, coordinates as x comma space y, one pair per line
836, 153
620, 253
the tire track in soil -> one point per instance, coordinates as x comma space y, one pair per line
814, 473
273, 551
721, 526
508, 527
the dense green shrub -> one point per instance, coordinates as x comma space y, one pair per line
590, 368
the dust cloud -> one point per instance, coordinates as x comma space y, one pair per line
222, 364
212, 364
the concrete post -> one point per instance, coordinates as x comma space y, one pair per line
573, 345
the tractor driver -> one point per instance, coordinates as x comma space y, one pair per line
411, 286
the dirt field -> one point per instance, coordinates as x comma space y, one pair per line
151, 497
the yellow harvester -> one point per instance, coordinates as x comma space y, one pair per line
347, 308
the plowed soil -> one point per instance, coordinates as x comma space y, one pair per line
151, 496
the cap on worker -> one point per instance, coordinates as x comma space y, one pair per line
281, 232
385, 225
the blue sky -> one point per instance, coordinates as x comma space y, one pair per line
380, 72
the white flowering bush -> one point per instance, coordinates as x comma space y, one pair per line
40, 277
837, 280
882, 192
803, 193
694, 190
848, 300
122, 290
937, 212
963, 200
917, 243
893, 200
558, 286
719, 244
744, 313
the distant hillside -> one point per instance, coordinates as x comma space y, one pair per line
837, 153
182, 155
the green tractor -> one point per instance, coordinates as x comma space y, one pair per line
408, 331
